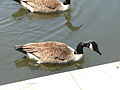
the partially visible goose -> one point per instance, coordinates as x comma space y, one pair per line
55, 52
44, 6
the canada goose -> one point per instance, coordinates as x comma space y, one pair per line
55, 52
44, 6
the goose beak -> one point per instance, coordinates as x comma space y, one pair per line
98, 52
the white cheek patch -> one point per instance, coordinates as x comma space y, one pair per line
91, 46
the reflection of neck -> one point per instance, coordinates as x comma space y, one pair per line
69, 24
66, 2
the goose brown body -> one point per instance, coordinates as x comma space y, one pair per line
44, 6
50, 52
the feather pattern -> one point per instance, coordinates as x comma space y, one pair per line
54, 52
44, 6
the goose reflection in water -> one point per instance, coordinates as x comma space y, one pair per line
26, 62
21, 13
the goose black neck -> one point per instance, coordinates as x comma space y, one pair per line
66, 2
79, 49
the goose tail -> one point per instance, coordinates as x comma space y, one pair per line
20, 49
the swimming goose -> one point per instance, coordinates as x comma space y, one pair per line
55, 52
44, 6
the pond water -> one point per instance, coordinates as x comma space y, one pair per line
97, 20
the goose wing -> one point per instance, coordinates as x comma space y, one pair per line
48, 50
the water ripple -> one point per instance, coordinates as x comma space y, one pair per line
5, 22
100, 19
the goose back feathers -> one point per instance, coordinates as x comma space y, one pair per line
48, 52
44, 6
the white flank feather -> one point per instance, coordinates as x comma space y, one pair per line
27, 6
31, 56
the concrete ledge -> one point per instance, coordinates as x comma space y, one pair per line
102, 77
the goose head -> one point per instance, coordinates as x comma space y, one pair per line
89, 44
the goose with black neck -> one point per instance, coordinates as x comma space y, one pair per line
56, 52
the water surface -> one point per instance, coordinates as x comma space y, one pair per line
100, 20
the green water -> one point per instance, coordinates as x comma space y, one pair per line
100, 20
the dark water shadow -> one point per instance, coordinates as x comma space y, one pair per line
21, 13
31, 64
